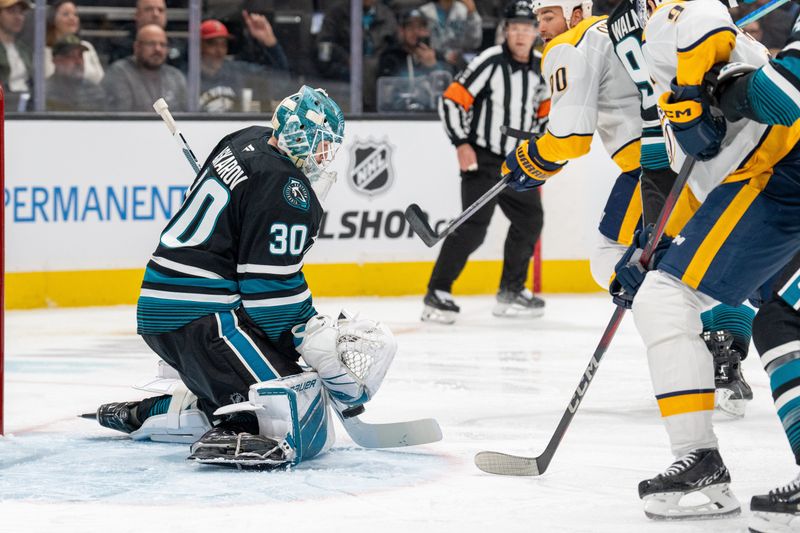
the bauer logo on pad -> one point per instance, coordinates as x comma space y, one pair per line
370, 169
296, 194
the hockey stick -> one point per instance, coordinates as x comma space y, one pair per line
513, 465
419, 223
390, 435
162, 109
760, 12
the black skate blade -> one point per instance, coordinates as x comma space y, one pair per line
89, 416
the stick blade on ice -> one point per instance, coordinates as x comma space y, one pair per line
392, 435
504, 464
416, 219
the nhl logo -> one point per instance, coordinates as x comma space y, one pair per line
370, 169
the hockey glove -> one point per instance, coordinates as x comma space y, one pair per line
630, 272
697, 131
730, 92
527, 168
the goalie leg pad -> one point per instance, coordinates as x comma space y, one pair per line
291, 410
182, 423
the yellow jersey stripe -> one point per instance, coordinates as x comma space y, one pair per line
695, 61
722, 229
555, 149
684, 209
686, 403
631, 218
629, 156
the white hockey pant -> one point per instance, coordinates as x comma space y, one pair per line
667, 315
603, 258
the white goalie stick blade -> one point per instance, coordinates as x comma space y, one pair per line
391, 435
504, 464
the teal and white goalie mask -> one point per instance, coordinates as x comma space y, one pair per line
309, 127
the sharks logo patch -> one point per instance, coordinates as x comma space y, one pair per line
296, 194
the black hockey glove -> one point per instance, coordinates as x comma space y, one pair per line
727, 84
696, 129
630, 272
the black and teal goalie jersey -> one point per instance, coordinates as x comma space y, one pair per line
626, 32
238, 240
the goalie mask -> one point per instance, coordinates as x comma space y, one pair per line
309, 128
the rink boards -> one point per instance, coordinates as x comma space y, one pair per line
85, 202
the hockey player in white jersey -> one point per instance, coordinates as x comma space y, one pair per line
745, 227
590, 92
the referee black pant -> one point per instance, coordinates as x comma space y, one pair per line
524, 211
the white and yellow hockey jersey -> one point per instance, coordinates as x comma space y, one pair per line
683, 40
590, 92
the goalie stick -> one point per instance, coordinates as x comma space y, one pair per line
388, 435
513, 465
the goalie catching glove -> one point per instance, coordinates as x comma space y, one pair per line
528, 169
351, 355
630, 272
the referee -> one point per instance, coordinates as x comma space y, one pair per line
502, 85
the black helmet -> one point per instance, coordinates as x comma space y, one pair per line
519, 10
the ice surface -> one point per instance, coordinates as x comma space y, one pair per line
492, 383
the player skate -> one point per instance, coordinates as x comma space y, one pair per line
521, 304
698, 471
439, 307
777, 511
732, 391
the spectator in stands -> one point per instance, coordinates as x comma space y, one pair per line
16, 60
333, 48
148, 12
68, 89
259, 45
223, 78
412, 60
63, 20
134, 83
455, 29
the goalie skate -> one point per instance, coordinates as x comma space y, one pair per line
439, 307
732, 391
522, 304
778, 511
700, 471
223, 446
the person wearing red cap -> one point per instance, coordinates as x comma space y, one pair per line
222, 79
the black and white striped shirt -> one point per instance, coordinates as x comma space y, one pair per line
494, 90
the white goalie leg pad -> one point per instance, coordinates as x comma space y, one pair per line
294, 410
667, 315
351, 354
182, 423
603, 257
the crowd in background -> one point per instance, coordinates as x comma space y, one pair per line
110, 55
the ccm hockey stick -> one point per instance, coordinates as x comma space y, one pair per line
389, 435
513, 465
